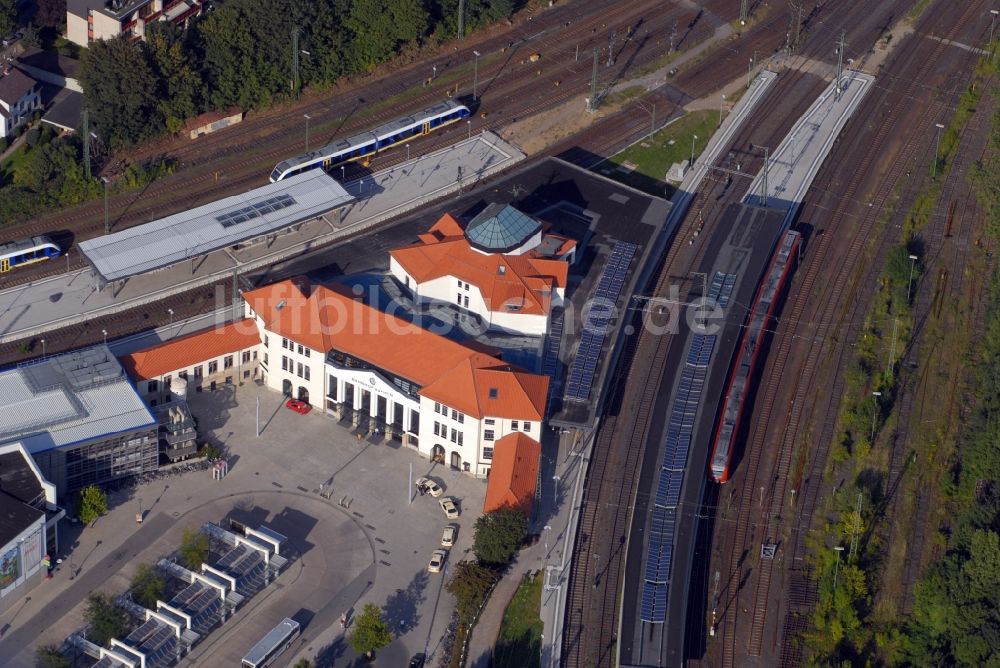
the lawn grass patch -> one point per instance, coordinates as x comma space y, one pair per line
520, 641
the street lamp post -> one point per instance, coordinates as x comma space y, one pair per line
694, 138
170, 312
43, 347
104, 333
342, 173
874, 416
475, 75
407, 152
909, 284
749, 70
547, 529
434, 72
107, 224
937, 149
555, 489
722, 103
836, 569
469, 123
308, 118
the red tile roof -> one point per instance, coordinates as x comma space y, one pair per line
186, 351
521, 283
454, 374
514, 473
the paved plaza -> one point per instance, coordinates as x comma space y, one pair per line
374, 551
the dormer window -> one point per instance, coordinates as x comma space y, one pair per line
501, 269
494, 393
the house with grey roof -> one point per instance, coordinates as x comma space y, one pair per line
20, 98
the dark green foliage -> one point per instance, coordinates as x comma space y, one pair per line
194, 548
51, 13
241, 54
8, 17
469, 585
106, 619
147, 586
49, 656
121, 92
370, 632
498, 535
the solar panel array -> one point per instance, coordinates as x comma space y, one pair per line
256, 210
156, 641
609, 288
680, 431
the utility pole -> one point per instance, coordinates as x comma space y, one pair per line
840, 62
836, 569
611, 49
461, 19
764, 194
673, 37
796, 9
295, 61
592, 106
744, 12
86, 143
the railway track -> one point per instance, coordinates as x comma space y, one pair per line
592, 612
802, 374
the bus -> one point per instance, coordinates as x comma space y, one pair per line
272, 645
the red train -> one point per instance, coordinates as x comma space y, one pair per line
741, 375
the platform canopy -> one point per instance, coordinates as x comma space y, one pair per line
211, 227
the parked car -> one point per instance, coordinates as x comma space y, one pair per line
449, 508
417, 661
428, 486
298, 406
448, 537
437, 561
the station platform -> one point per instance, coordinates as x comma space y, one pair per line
795, 163
71, 298
733, 266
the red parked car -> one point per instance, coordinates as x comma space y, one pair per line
298, 406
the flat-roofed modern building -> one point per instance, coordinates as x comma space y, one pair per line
450, 401
89, 20
29, 520
79, 417
504, 267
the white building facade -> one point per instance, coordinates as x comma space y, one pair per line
502, 268
20, 98
447, 401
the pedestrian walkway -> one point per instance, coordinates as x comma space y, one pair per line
487, 629
73, 297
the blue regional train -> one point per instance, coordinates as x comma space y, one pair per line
361, 146
27, 251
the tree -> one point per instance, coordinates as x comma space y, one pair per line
8, 17
51, 13
49, 656
499, 534
194, 548
179, 77
105, 618
380, 28
93, 503
148, 586
370, 632
470, 585
303, 663
120, 89
31, 36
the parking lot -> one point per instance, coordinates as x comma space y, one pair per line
357, 529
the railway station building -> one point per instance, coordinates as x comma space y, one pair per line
80, 419
451, 402
503, 267
29, 520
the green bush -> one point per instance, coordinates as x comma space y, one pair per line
93, 503
498, 535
